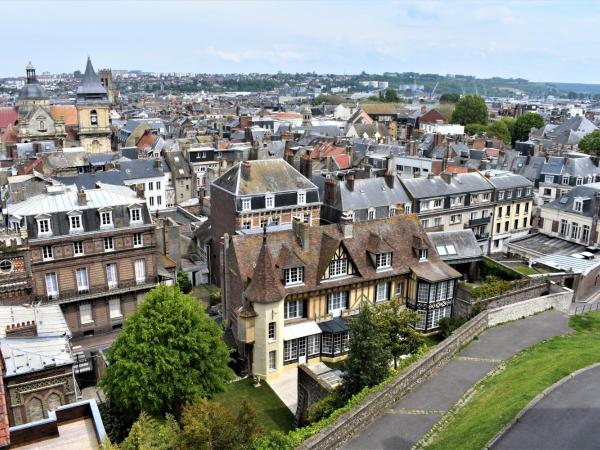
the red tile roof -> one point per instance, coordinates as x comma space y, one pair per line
146, 141
68, 113
286, 115
342, 161
8, 116
11, 134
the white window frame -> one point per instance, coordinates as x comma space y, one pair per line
140, 270
371, 214
109, 244
81, 277
585, 233
272, 360
246, 204
383, 260
422, 254
500, 195
382, 292
86, 314
111, 276
294, 276
578, 205
455, 218
565, 179
138, 240
44, 227
269, 201
579, 181
114, 308
548, 179
336, 302
301, 199
51, 281
293, 309
436, 205
135, 215
338, 267
106, 219
75, 219
272, 331
47, 253
78, 245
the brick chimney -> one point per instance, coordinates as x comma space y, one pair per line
302, 232
157, 163
306, 166
389, 179
330, 191
347, 225
23, 329
246, 169
289, 156
350, 182
81, 198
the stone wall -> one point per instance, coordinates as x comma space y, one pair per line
353, 422
310, 391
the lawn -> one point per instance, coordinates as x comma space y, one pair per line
497, 399
526, 270
273, 415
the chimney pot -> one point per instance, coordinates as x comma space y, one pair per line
246, 170
350, 182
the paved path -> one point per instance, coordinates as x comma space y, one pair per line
413, 415
567, 418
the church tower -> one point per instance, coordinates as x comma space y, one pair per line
307, 118
92, 111
32, 94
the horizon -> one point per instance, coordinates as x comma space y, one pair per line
541, 41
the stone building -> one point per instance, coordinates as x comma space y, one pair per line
287, 294
15, 268
92, 251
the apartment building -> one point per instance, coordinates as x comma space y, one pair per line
92, 251
451, 202
287, 294
202, 160
513, 197
559, 175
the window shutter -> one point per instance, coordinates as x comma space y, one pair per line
555, 226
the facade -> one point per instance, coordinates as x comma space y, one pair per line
202, 160
451, 202
559, 175
92, 251
181, 176
287, 294
513, 197
147, 178
15, 268
574, 216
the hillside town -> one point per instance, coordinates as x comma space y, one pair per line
287, 220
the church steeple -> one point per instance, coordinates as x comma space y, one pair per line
91, 88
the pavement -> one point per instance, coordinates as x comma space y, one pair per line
286, 388
406, 421
566, 418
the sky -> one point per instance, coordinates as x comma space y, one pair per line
537, 40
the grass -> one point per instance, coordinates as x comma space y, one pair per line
433, 339
526, 270
272, 413
497, 399
336, 365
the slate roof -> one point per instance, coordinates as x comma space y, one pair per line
587, 192
33, 91
436, 186
274, 175
90, 180
547, 245
509, 181
369, 193
140, 168
25, 355
398, 232
179, 166
463, 242
49, 319
90, 84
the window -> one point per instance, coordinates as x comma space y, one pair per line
109, 245
44, 227
75, 223
565, 179
135, 215
485, 197
336, 302
140, 271
391, 211
114, 308
579, 181
271, 331
313, 344
150, 201
93, 117
437, 203
111, 275
590, 179
519, 192
548, 179
518, 209
246, 204
47, 254
585, 233
508, 211
246, 225
78, 248
526, 207
85, 313
293, 309
382, 292
269, 201
290, 350
437, 222
509, 194
498, 227
106, 219
506, 225
6, 266
159, 200
435, 315
574, 230
42, 125
264, 222
383, 260
422, 254
407, 209
82, 279
455, 218
294, 275
501, 195
151, 186
274, 220
456, 201
528, 191
158, 185
138, 241
420, 325
371, 214
272, 360
301, 198
398, 292
563, 228
425, 223
338, 267
51, 284
578, 205
525, 222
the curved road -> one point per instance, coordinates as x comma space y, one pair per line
567, 418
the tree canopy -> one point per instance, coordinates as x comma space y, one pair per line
591, 143
183, 281
525, 123
499, 130
470, 109
448, 97
168, 352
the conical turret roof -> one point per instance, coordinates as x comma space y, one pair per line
90, 84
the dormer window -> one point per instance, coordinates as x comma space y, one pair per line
565, 179
501, 195
590, 179
246, 205
422, 254
509, 194
528, 191
269, 201
383, 260
519, 192
578, 205
392, 211
437, 203
75, 223
135, 215
44, 228
294, 276
106, 219
579, 181
371, 214
301, 198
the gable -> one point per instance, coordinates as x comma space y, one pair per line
341, 254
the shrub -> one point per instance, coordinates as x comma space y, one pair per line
449, 324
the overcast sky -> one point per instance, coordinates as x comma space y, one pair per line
537, 40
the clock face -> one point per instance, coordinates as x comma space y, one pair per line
6, 266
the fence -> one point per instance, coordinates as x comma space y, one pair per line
588, 307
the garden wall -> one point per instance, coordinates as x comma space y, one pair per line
560, 301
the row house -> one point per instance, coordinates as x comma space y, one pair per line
147, 178
259, 194
573, 216
288, 294
92, 251
559, 175
513, 198
451, 202
202, 160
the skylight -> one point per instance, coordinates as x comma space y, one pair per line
441, 250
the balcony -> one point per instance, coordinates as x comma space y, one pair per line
482, 236
480, 221
74, 295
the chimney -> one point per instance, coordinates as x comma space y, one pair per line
329, 191
389, 179
157, 163
289, 156
350, 182
306, 166
346, 225
447, 177
81, 198
23, 329
302, 232
246, 169
117, 164
416, 174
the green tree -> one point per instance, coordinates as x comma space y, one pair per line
448, 97
499, 130
475, 129
369, 357
591, 143
168, 353
148, 433
391, 96
525, 123
470, 109
396, 324
183, 281
510, 124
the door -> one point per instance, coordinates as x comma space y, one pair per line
302, 350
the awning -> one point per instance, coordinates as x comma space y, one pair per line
337, 325
299, 330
